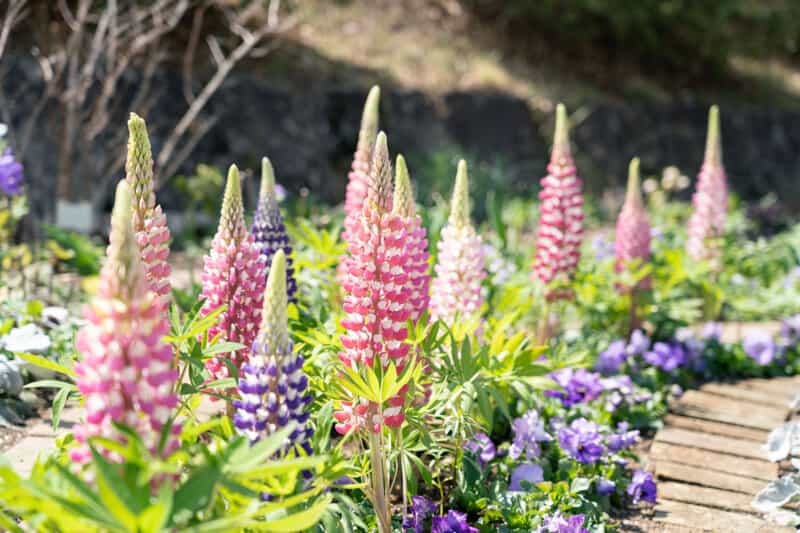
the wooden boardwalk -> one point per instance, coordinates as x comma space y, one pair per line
708, 457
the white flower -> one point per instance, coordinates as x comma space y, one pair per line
775, 494
28, 338
781, 440
783, 517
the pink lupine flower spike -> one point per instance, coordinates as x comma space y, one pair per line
561, 222
126, 373
233, 276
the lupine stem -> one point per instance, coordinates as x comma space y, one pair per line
379, 483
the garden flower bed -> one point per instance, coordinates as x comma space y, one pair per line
420, 373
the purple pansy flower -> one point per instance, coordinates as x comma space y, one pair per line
603, 247
623, 438
581, 440
452, 522
482, 447
528, 433
667, 357
530, 472
558, 523
760, 347
639, 343
605, 487
642, 487
421, 509
712, 331
621, 390
579, 386
10, 174
611, 359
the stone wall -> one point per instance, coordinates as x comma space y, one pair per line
309, 132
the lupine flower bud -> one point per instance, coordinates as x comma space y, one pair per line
561, 221
233, 275
460, 265
268, 229
149, 221
633, 225
710, 200
359, 176
419, 280
272, 385
126, 374
376, 296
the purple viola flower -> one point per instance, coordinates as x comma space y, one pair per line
667, 357
612, 358
557, 523
623, 438
530, 472
605, 487
482, 447
528, 433
620, 390
712, 331
639, 343
10, 174
603, 247
579, 386
693, 348
452, 522
790, 330
760, 347
642, 487
582, 441
421, 509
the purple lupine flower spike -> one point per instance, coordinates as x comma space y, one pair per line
269, 231
272, 385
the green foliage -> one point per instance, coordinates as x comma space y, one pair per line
75, 250
673, 34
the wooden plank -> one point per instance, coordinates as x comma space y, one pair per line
706, 497
729, 464
716, 428
712, 402
708, 478
689, 515
743, 394
725, 417
640, 525
714, 443
780, 387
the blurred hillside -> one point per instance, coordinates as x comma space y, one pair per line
480, 79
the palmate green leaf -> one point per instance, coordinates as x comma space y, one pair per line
47, 364
286, 466
9, 524
356, 384
113, 492
299, 521
156, 516
245, 458
58, 405
222, 347
196, 492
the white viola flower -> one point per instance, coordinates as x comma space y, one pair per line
781, 440
782, 517
776, 494
28, 338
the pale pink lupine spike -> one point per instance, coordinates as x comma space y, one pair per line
710, 201
376, 296
561, 215
358, 179
419, 278
149, 221
632, 240
126, 374
234, 276
460, 265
